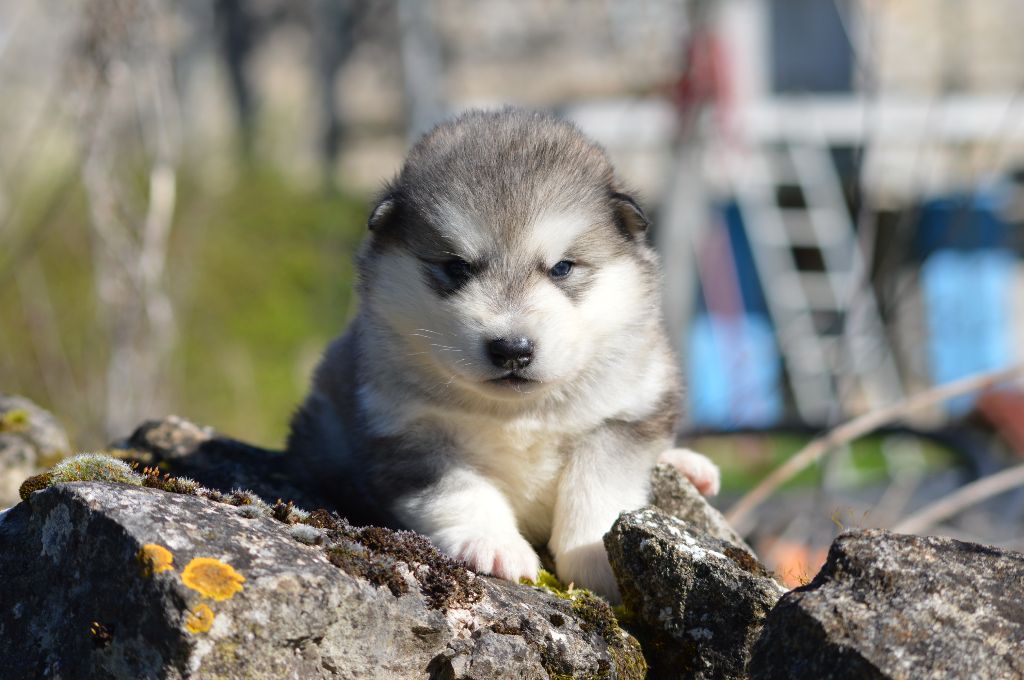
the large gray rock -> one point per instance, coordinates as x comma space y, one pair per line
696, 602
108, 580
673, 493
895, 606
30, 438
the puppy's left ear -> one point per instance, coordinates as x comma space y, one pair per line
382, 212
628, 216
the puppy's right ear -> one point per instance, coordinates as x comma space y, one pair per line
383, 211
628, 216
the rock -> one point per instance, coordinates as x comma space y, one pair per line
30, 438
895, 606
695, 602
111, 580
183, 448
673, 493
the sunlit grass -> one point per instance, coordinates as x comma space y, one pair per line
260, 276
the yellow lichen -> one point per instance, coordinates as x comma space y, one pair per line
14, 421
199, 619
154, 559
212, 578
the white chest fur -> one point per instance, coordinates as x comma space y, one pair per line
523, 458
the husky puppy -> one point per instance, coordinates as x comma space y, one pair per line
507, 381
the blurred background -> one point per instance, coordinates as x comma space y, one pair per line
836, 188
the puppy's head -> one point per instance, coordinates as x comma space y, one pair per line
505, 258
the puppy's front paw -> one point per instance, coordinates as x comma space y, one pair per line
696, 467
506, 556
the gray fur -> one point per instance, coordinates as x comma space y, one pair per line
380, 427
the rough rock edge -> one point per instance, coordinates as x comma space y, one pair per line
658, 595
818, 624
381, 556
675, 495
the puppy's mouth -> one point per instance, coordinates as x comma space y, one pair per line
513, 379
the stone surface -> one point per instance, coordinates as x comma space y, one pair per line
30, 438
99, 580
673, 493
895, 606
186, 449
695, 602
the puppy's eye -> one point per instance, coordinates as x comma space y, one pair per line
458, 269
561, 270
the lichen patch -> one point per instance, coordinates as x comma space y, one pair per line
56, 532
212, 578
155, 559
199, 619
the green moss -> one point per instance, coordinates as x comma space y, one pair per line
15, 420
86, 467
628, 657
625, 614
94, 467
597, 617
549, 582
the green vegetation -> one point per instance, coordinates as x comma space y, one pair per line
85, 467
746, 459
16, 420
596, 616
260, 276
271, 283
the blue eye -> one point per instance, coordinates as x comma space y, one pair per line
561, 270
458, 270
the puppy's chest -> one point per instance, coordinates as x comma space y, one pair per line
524, 459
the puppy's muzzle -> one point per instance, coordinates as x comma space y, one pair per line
511, 354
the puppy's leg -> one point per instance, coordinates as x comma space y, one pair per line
605, 476
469, 519
696, 467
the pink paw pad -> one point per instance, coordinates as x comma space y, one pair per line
698, 468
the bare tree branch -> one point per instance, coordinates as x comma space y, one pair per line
859, 427
134, 91
961, 499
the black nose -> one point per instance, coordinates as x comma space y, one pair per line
511, 353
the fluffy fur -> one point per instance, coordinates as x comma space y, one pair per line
411, 423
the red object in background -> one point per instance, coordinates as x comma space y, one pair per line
706, 77
793, 563
1004, 410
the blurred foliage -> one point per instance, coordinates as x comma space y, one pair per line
260, 273
747, 459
